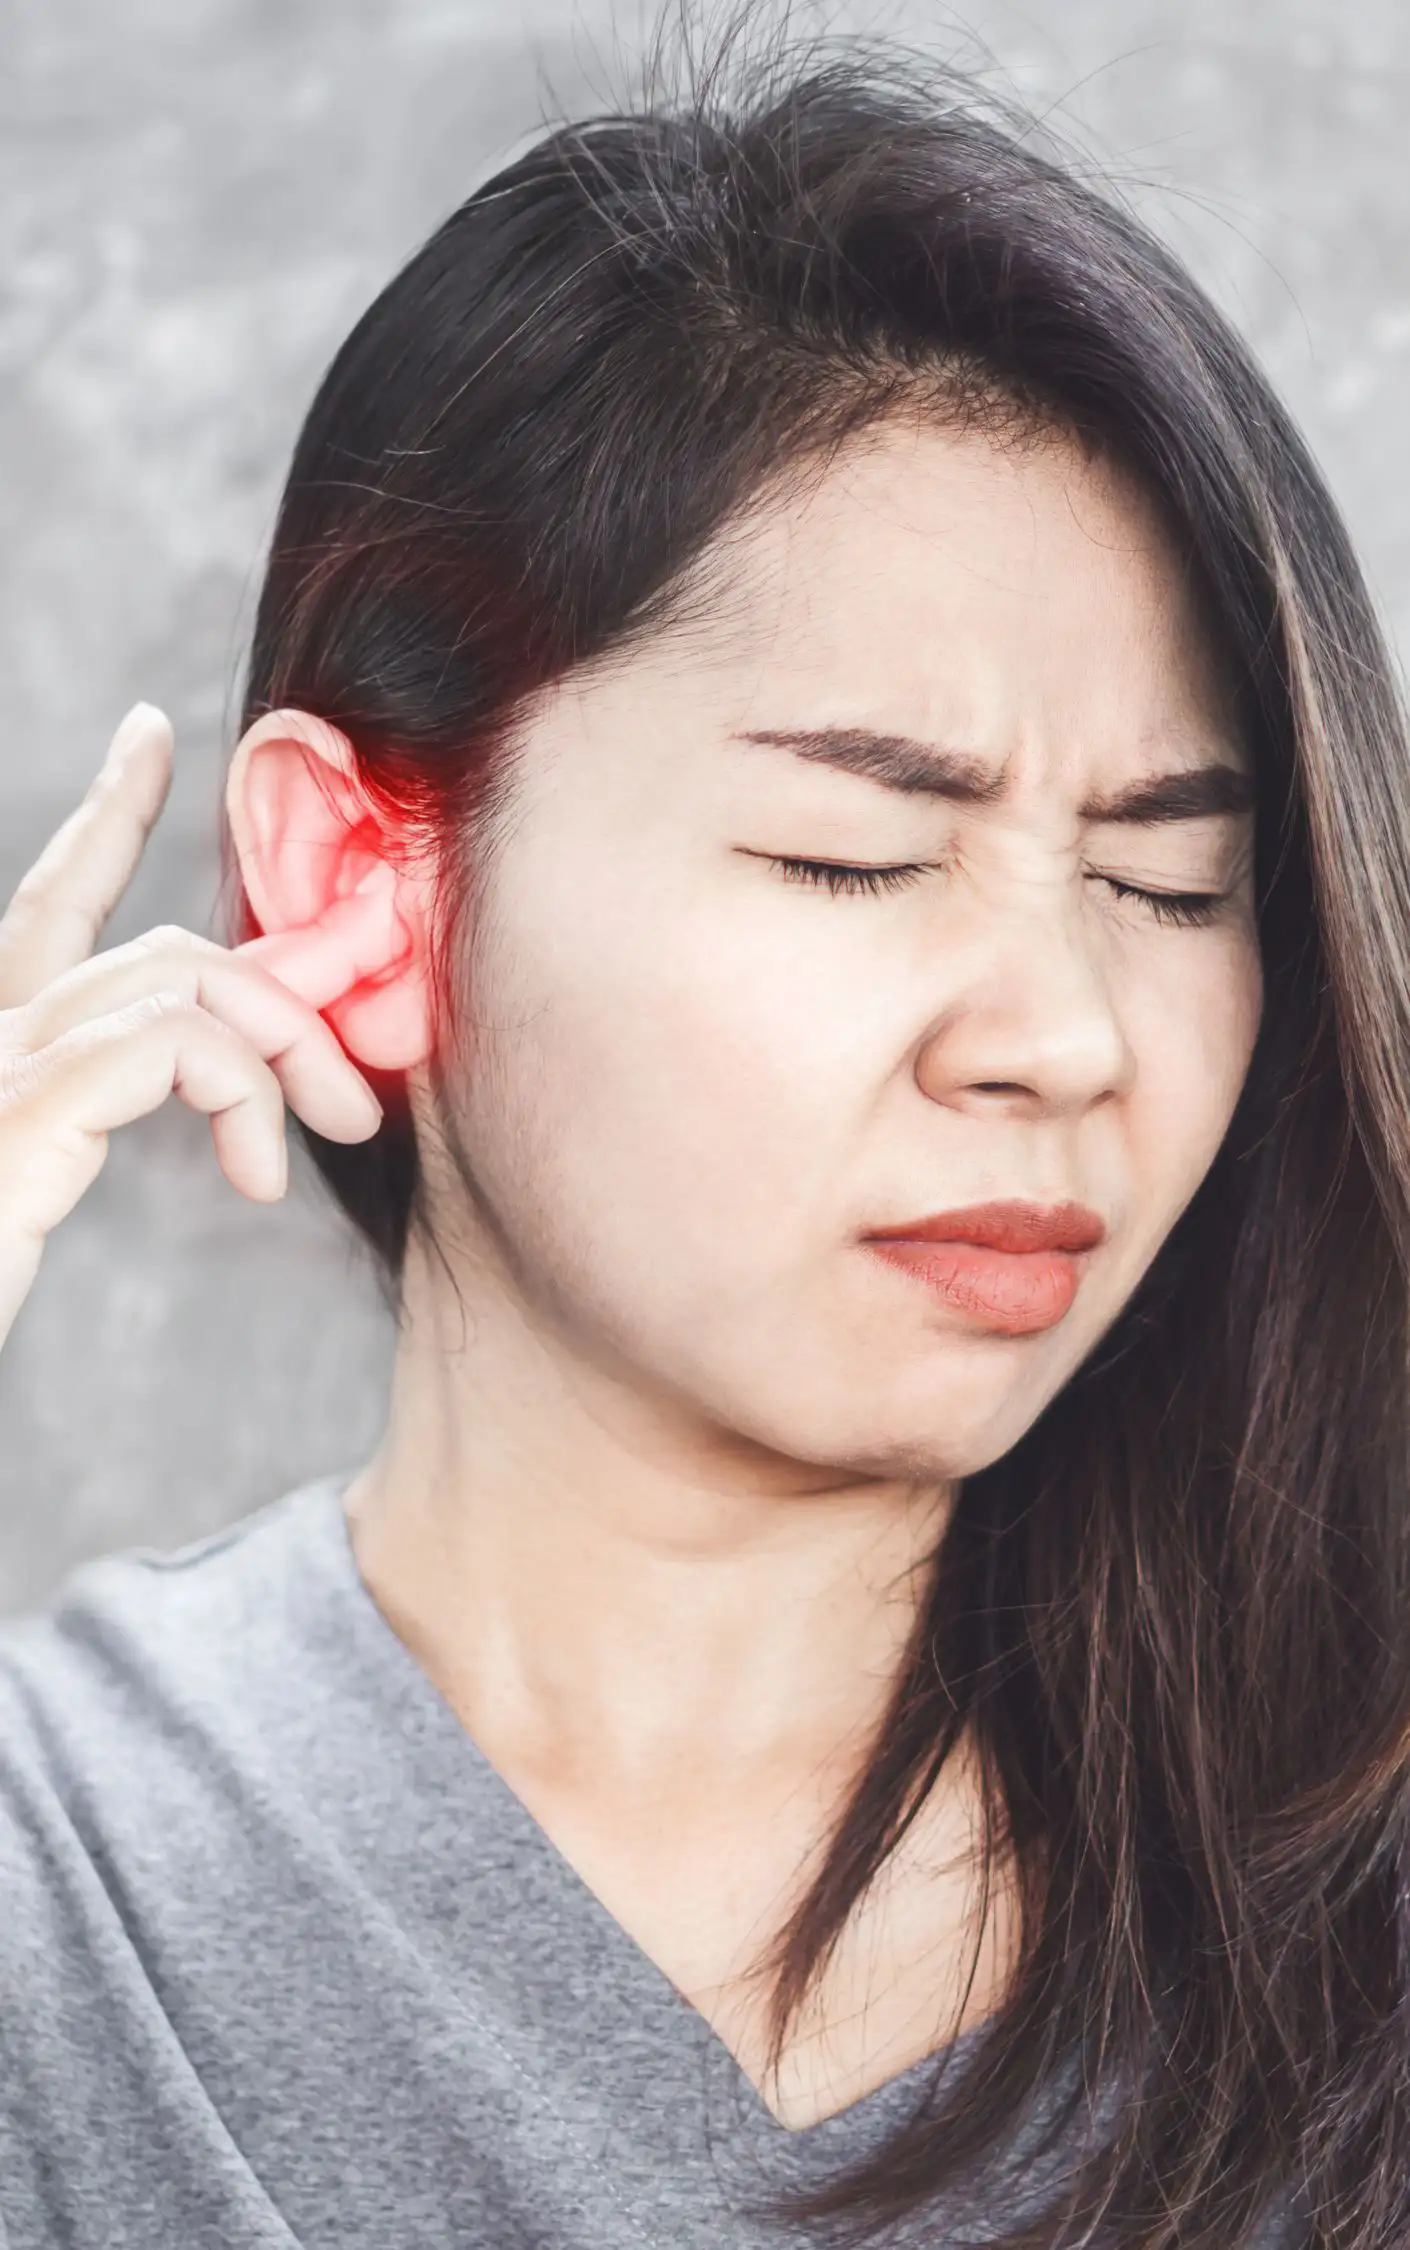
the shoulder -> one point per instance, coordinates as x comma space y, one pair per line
159, 1730
133, 1638
148, 1801
146, 1678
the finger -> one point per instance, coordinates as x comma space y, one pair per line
60, 1105
317, 1078
62, 902
356, 937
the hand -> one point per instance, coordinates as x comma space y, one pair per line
89, 1041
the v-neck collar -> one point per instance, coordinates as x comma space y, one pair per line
475, 1883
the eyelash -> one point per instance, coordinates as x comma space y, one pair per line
1188, 909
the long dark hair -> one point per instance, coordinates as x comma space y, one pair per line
1174, 1617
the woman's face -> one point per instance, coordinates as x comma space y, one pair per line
697, 1081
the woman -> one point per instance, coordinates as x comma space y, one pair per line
815, 735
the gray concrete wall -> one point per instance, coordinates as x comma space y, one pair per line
196, 199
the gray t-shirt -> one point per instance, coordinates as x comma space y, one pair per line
286, 1965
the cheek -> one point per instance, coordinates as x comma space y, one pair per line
1194, 1037
672, 1123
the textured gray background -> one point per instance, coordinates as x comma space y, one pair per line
199, 196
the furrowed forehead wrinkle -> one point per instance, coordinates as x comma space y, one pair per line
913, 768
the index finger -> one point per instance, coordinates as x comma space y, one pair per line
325, 959
63, 900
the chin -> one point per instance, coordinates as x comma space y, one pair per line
924, 1445
951, 1428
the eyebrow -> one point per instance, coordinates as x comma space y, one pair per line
914, 768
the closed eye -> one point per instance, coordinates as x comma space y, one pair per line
839, 877
1187, 909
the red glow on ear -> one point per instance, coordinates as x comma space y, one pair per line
359, 941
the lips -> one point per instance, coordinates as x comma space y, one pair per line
1009, 1266
1011, 1225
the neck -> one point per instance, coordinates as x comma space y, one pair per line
596, 1578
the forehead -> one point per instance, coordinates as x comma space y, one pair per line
995, 595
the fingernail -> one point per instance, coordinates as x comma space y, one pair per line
136, 723
380, 874
139, 715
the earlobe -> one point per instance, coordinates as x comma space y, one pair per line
309, 842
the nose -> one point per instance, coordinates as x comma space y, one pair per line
1034, 1029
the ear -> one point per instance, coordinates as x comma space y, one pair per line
306, 838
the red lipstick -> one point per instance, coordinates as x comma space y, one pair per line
1012, 1267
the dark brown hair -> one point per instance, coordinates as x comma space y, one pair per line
1175, 1614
